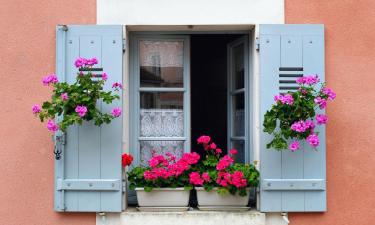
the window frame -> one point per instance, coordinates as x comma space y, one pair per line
246, 90
135, 89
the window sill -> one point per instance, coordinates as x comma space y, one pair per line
194, 217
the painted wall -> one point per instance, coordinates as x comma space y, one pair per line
27, 53
350, 62
197, 12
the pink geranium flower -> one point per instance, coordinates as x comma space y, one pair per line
52, 126
195, 178
294, 146
204, 139
50, 79
233, 151
117, 86
64, 96
313, 140
321, 119
224, 162
36, 109
321, 102
116, 112
81, 110
104, 76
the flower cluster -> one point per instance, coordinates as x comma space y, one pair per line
295, 114
50, 79
77, 102
221, 171
237, 179
166, 167
308, 80
284, 99
83, 62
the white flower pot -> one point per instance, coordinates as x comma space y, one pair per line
163, 197
213, 199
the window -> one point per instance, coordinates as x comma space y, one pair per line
160, 102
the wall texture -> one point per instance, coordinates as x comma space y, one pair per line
350, 62
27, 53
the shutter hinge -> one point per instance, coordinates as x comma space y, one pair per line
123, 45
257, 44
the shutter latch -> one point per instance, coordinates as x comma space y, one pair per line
59, 143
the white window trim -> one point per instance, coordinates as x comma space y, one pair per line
164, 15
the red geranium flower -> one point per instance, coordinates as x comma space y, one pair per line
127, 159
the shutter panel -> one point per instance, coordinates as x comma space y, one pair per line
290, 181
88, 177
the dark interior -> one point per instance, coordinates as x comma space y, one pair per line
209, 88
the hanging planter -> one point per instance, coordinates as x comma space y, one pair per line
293, 117
77, 102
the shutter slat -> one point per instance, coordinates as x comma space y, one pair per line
91, 159
290, 181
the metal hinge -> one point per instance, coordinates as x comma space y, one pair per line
257, 44
123, 45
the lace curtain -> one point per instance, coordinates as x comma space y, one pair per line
161, 123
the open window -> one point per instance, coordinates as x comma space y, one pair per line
184, 86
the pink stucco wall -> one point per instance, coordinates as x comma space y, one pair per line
27, 52
350, 63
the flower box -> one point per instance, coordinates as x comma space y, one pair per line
163, 197
212, 199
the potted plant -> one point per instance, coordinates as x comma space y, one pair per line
164, 183
75, 103
293, 117
220, 182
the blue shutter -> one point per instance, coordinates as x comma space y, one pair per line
290, 182
88, 177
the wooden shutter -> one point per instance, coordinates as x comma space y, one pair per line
88, 177
290, 181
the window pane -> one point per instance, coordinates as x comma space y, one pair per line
238, 115
161, 63
238, 68
161, 114
240, 146
160, 147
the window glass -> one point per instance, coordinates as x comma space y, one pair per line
240, 147
161, 63
238, 115
238, 69
161, 114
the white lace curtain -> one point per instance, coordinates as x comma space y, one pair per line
161, 123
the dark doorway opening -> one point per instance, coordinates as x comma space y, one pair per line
209, 83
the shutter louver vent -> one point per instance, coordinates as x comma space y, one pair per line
288, 77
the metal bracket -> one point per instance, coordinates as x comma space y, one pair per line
257, 44
124, 45
60, 141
